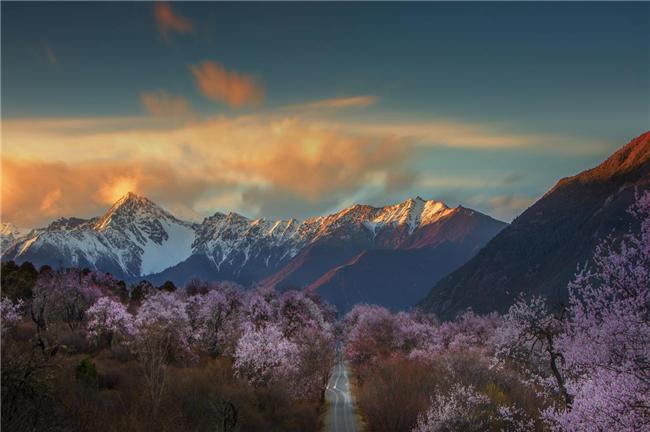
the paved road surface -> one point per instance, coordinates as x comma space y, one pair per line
341, 415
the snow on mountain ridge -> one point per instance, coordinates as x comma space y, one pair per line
138, 237
161, 239
135, 236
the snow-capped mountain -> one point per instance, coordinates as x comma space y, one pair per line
224, 238
136, 238
249, 251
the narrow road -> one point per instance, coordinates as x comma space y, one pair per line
341, 416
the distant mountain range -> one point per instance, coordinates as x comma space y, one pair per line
389, 255
540, 251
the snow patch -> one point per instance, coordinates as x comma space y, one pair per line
178, 247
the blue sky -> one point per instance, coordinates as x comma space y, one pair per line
570, 81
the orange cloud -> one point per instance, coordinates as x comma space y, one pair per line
242, 163
217, 83
50, 202
161, 104
312, 162
35, 192
337, 103
168, 21
289, 156
112, 191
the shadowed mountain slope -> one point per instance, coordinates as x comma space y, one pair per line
540, 251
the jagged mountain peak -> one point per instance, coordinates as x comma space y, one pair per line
234, 217
413, 200
217, 216
132, 208
230, 217
132, 200
66, 223
413, 212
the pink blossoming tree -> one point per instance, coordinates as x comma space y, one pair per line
108, 320
606, 345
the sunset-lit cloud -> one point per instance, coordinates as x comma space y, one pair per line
208, 107
168, 21
265, 165
472, 135
337, 103
266, 155
161, 104
235, 89
311, 162
35, 192
116, 188
49, 205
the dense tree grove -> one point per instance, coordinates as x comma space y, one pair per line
270, 354
583, 367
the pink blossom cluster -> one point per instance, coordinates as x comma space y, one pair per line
216, 318
463, 408
285, 339
273, 338
373, 331
162, 323
264, 356
109, 319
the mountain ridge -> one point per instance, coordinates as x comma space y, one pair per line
539, 252
135, 239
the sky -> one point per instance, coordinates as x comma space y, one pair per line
283, 110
